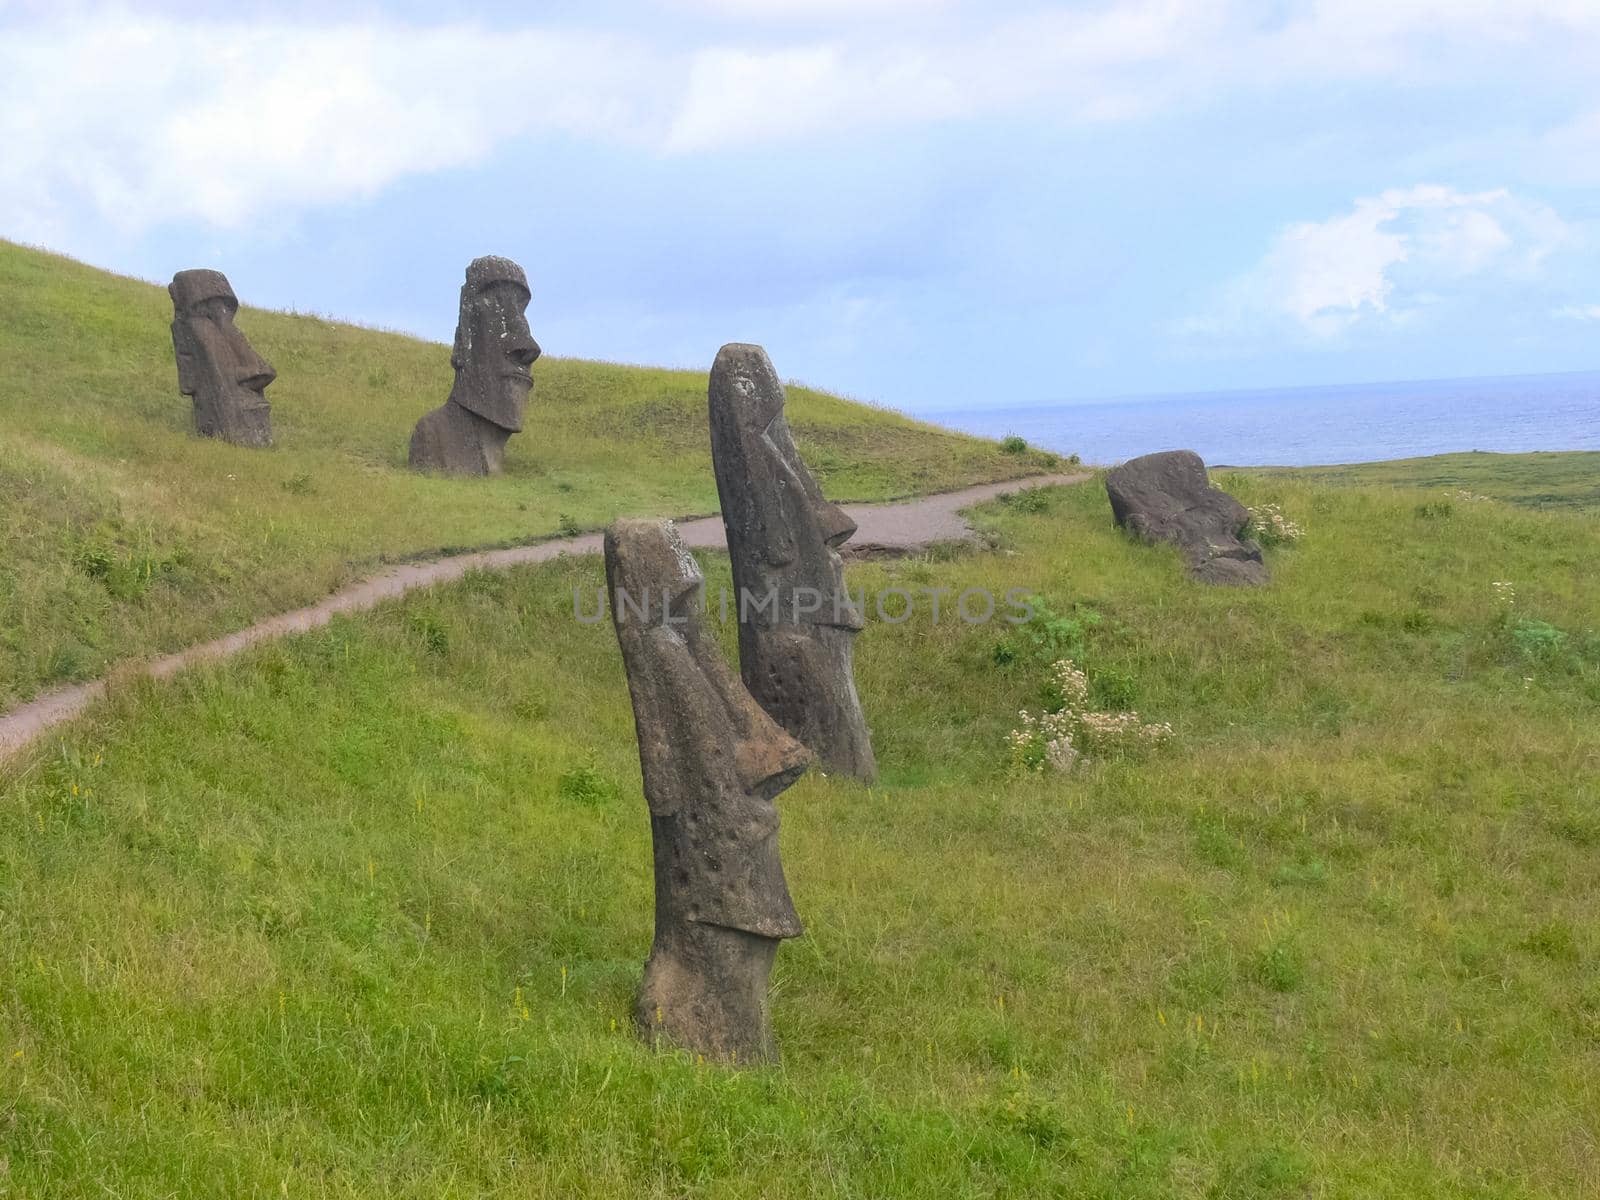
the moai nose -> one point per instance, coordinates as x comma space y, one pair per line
837, 527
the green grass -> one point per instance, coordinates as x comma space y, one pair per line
1567, 479
362, 913
121, 533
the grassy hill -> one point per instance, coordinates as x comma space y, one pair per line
362, 913
1552, 480
121, 533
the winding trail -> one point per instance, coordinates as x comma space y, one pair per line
899, 527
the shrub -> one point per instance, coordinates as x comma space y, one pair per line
1028, 500
586, 784
1068, 730
94, 560
1056, 636
1553, 940
1033, 1118
1012, 444
1538, 641
435, 636
1113, 688
1279, 966
1311, 872
126, 574
1274, 1171
1270, 527
1417, 621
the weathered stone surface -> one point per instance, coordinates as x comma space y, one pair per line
493, 352
1167, 497
796, 619
216, 366
713, 762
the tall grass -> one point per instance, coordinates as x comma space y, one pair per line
362, 913
122, 533
1559, 480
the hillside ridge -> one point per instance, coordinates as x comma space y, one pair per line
121, 532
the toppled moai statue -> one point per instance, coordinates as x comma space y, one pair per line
216, 366
713, 762
796, 619
1167, 497
493, 352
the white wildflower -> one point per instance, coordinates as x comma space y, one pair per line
1061, 754
1058, 740
1269, 524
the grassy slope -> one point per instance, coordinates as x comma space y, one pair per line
122, 533
1556, 480
363, 913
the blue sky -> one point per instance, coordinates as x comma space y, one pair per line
931, 204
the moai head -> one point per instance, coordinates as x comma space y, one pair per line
1168, 497
782, 532
216, 366
712, 760
494, 347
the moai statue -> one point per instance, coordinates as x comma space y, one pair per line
493, 352
713, 762
796, 620
216, 366
1168, 497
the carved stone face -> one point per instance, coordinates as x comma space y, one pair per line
1168, 497
712, 760
216, 365
494, 347
775, 512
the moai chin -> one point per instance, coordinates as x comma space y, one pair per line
492, 356
796, 619
713, 762
216, 366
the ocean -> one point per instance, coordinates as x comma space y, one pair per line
1314, 425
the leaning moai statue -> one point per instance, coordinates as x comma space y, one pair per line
493, 352
216, 366
713, 762
796, 619
1168, 497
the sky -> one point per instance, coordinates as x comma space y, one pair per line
928, 204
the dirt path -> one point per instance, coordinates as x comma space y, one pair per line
904, 526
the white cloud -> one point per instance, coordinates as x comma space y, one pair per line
1077, 65
1109, 61
1579, 312
155, 120
739, 97
141, 120
1571, 151
787, 10
1385, 261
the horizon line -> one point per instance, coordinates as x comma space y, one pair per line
1268, 390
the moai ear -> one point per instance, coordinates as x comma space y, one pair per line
183, 349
